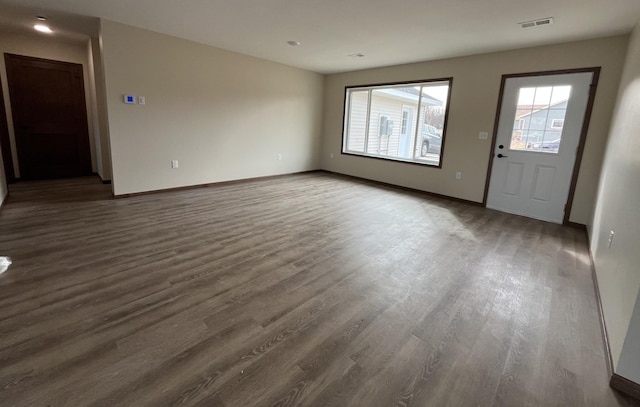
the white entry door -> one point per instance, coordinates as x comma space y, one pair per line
539, 131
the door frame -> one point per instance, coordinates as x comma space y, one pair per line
5, 141
583, 132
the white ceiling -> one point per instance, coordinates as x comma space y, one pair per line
387, 32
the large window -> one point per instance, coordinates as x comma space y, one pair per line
380, 121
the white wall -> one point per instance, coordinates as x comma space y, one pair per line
48, 47
618, 209
628, 365
223, 115
476, 84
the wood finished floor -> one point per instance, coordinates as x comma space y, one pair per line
307, 290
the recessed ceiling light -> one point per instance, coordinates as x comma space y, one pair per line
41, 18
357, 55
42, 28
293, 43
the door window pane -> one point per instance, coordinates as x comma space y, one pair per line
405, 121
539, 118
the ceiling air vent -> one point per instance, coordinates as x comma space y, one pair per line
536, 23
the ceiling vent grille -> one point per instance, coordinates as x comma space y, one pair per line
537, 23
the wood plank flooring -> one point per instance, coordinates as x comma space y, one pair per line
305, 290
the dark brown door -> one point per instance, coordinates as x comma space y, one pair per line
49, 117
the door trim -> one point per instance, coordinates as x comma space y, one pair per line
583, 133
5, 142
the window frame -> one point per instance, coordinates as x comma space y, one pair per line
370, 88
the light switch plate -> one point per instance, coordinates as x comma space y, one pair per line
129, 99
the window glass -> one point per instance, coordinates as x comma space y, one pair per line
539, 119
358, 102
404, 122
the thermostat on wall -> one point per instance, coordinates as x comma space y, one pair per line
128, 99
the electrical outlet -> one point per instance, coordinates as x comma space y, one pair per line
458, 175
483, 135
174, 163
279, 157
611, 235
